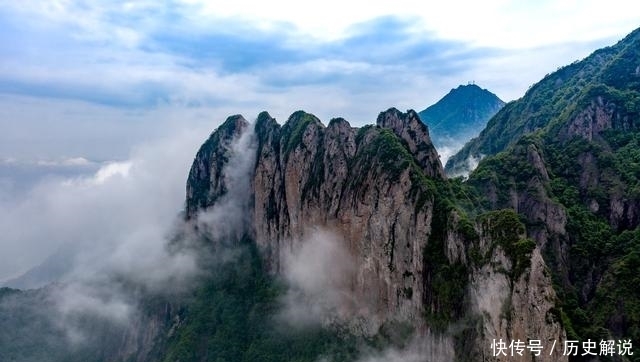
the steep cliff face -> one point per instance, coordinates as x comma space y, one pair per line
367, 186
381, 191
206, 181
521, 311
511, 288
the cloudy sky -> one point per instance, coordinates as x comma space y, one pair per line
92, 78
84, 84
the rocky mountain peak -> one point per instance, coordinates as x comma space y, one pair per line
232, 126
309, 176
415, 134
206, 182
396, 120
265, 121
339, 123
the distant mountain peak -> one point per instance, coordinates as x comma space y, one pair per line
463, 104
460, 115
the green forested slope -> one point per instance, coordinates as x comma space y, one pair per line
566, 157
611, 71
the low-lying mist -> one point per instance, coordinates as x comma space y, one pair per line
318, 275
103, 237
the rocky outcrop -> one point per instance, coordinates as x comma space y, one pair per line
310, 176
514, 304
206, 181
416, 135
520, 311
360, 184
375, 189
600, 115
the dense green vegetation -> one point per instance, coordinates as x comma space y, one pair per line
235, 316
386, 153
625, 159
506, 231
231, 318
294, 129
596, 289
510, 170
605, 304
446, 282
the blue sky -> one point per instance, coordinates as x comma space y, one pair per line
103, 104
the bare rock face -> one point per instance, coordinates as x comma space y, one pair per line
309, 176
520, 311
593, 120
514, 306
374, 189
600, 115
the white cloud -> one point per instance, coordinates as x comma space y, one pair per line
84, 299
112, 170
130, 204
59, 162
467, 167
426, 346
228, 219
318, 274
91, 20
115, 227
130, 210
523, 41
494, 23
